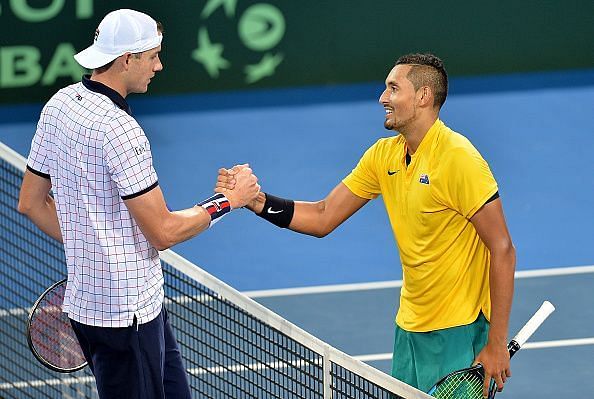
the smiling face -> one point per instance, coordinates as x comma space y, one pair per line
399, 99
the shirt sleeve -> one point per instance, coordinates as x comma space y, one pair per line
363, 181
128, 157
38, 161
469, 182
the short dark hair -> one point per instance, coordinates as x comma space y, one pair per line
427, 70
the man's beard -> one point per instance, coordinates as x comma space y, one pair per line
396, 125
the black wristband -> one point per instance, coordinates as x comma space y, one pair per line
278, 211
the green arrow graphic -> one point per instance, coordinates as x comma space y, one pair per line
209, 54
266, 67
212, 5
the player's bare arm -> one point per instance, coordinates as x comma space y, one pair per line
164, 228
320, 218
36, 202
317, 218
490, 225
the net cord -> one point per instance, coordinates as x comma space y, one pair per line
225, 291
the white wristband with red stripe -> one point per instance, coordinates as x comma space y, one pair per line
217, 206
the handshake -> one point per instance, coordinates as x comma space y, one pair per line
241, 187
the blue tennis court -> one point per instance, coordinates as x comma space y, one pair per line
535, 132
557, 361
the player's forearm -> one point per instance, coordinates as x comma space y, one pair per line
503, 262
163, 228
179, 226
44, 216
317, 219
305, 217
311, 218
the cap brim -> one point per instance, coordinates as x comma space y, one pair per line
91, 58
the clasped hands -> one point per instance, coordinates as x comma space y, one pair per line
239, 185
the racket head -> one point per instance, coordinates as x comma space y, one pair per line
461, 384
50, 335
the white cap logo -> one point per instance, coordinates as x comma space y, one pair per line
122, 31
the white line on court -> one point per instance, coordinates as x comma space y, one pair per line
529, 345
52, 381
325, 289
364, 358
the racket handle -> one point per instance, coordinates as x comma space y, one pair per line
529, 328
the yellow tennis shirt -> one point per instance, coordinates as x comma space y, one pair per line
445, 264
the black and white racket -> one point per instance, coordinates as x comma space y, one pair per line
468, 383
50, 335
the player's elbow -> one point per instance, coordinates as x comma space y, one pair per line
508, 249
323, 231
324, 226
505, 250
25, 207
162, 245
320, 234
158, 228
511, 252
162, 240
159, 240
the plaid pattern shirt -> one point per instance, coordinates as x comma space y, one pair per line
96, 156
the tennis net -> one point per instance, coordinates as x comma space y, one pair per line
232, 346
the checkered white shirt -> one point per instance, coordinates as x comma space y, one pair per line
97, 155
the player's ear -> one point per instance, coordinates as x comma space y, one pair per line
125, 60
425, 96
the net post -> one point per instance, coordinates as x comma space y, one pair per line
327, 367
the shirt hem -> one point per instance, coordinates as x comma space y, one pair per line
138, 194
359, 194
115, 323
482, 202
38, 173
465, 322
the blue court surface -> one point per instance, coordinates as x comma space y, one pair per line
536, 132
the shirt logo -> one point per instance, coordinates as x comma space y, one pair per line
390, 172
139, 150
424, 179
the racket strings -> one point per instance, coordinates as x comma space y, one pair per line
51, 333
460, 386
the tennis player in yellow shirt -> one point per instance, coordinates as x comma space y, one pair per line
457, 256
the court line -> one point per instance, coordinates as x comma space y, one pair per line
240, 368
325, 289
378, 285
529, 345
51, 382
196, 371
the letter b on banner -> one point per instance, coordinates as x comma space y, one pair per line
20, 66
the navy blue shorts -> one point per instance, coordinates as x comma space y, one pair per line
137, 362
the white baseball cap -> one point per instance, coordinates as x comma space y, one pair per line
120, 32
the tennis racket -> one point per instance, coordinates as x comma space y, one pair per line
468, 383
50, 335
